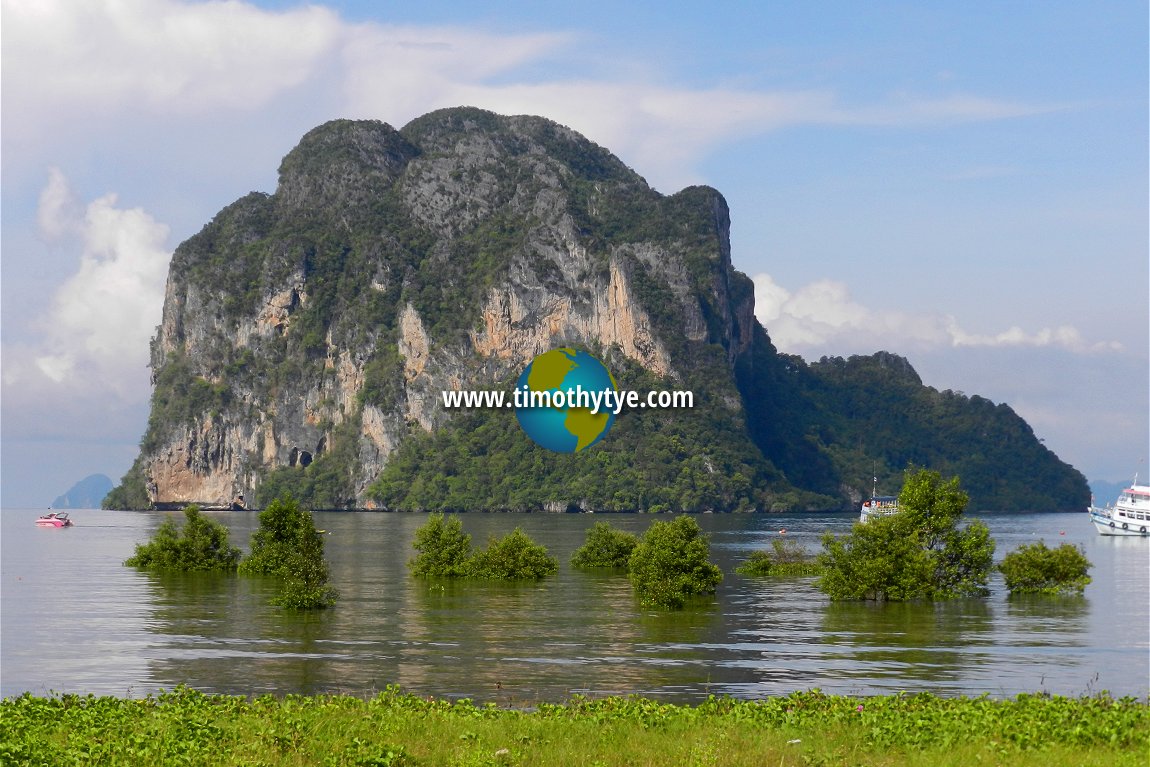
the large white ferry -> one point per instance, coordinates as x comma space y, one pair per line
1130, 514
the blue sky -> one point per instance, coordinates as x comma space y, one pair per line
966, 186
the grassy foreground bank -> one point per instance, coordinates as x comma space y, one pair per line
398, 730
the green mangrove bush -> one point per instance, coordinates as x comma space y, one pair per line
514, 557
918, 553
605, 546
785, 558
282, 525
444, 551
671, 562
443, 548
202, 544
288, 546
1033, 568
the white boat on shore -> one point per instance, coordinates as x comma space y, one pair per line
1130, 514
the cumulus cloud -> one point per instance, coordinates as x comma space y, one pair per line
159, 53
824, 317
100, 320
63, 59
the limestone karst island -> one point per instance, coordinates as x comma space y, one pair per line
307, 335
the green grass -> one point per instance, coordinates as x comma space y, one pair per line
190, 728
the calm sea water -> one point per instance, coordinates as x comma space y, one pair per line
73, 619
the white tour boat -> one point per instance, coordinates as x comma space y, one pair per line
878, 505
1130, 514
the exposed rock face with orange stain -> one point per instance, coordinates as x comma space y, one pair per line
519, 325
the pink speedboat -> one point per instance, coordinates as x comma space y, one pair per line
54, 519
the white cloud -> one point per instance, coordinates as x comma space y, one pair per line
823, 317
663, 131
100, 320
56, 212
63, 62
159, 54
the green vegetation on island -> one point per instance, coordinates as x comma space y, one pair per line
784, 559
671, 563
1033, 568
131, 493
201, 544
605, 546
918, 553
873, 416
653, 460
394, 729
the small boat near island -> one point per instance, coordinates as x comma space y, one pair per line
54, 519
1130, 514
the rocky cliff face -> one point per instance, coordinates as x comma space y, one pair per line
307, 334
390, 265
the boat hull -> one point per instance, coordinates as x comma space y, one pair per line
1108, 525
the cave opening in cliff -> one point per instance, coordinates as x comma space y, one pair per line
299, 457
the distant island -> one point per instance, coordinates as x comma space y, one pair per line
88, 493
307, 335
1105, 493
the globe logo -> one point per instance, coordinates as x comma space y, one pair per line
566, 428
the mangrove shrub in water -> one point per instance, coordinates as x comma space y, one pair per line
1033, 568
288, 546
202, 544
514, 557
445, 552
605, 546
786, 558
306, 576
671, 563
918, 553
444, 549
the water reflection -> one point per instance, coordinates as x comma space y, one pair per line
515, 649
1046, 620
894, 640
221, 625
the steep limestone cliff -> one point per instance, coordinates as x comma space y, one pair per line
307, 334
